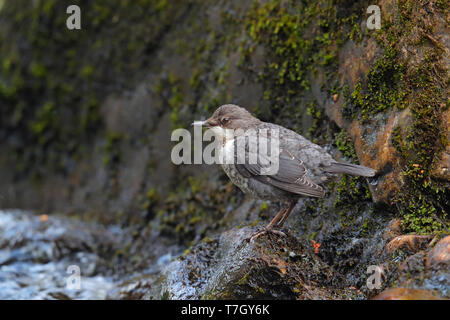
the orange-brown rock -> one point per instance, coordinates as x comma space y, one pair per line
410, 243
442, 168
393, 229
440, 253
407, 294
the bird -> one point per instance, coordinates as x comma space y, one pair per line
302, 166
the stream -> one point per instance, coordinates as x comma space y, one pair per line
40, 257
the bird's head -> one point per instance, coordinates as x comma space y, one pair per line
230, 116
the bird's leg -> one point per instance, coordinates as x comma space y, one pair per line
286, 214
277, 218
269, 227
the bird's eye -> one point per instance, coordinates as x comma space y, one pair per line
225, 120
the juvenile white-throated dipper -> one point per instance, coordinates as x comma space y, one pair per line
302, 165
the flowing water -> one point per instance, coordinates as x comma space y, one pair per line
36, 255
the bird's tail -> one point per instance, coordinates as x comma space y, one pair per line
352, 169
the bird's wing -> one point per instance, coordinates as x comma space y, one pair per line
290, 176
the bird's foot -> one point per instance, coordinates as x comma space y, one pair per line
266, 230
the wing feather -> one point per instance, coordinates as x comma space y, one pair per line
291, 175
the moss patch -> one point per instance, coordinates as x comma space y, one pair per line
383, 89
52, 80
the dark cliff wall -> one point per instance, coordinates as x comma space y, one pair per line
86, 115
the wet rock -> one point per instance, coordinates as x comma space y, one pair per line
229, 267
407, 294
413, 264
440, 255
442, 168
423, 275
409, 243
136, 288
393, 229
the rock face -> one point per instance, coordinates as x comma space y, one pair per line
440, 254
423, 275
86, 120
406, 294
229, 267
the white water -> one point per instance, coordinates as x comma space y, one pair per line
31, 265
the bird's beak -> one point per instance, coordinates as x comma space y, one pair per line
202, 123
198, 123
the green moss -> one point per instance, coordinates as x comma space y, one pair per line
45, 119
195, 220
317, 116
293, 48
38, 70
419, 216
395, 83
351, 190
244, 280
300, 39
169, 88
264, 207
152, 194
56, 60
87, 71
281, 32
423, 201
112, 155
352, 193
150, 201
194, 81
345, 146
207, 240
192, 208
382, 89
221, 74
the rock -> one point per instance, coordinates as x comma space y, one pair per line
409, 243
413, 264
440, 254
136, 288
423, 275
393, 229
229, 267
406, 294
442, 168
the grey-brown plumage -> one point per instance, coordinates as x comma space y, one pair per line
303, 165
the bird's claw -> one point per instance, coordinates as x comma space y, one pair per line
264, 231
